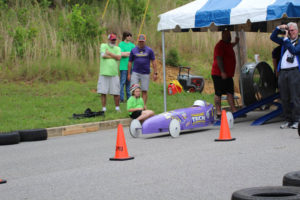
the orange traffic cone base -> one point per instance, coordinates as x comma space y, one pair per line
224, 140
2, 181
121, 148
121, 159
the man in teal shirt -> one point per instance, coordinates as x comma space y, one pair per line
126, 46
109, 82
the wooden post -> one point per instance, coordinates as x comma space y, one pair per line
241, 56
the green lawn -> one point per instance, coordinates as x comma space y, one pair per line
42, 105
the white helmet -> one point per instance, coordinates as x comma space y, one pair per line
199, 103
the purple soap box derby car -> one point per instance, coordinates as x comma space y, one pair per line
200, 115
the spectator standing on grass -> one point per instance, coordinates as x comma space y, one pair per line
135, 105
223, 71
109, 81
289, 72
126, 46
142, 55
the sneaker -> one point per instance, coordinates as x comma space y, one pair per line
118, 109
295, 125
286, 125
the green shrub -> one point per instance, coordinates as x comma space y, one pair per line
81, 25
173, 58
22, 37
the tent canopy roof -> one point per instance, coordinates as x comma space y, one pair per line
234, 15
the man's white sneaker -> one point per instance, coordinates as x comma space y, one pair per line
286, 125
295, 125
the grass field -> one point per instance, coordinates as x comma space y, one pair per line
42, 105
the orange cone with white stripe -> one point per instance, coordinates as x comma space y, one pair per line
121, 148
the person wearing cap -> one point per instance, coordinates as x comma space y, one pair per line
142, 55
109, 81
222, 71
126, 46
135, 105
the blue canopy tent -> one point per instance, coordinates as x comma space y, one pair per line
233, 15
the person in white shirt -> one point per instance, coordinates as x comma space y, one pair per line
289, 72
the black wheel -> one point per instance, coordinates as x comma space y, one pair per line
9, 138
291, 179
33, 135
267, 193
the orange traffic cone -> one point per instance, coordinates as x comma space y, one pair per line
224, 129
2, 181
121, 149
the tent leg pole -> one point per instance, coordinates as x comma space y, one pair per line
164, 69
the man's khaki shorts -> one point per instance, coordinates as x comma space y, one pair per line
108, 85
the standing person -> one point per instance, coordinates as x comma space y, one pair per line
142, 55
223, 71
135, 105
109, 81
289, 72
126, 46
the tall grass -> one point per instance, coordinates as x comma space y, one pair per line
41, 43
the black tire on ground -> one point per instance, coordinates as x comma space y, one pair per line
9, 138
267, 193
291, 179
33, 135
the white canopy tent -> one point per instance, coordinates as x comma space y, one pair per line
234, 15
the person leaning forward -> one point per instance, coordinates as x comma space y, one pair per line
289, 72
222, 71
109, 81
142, 55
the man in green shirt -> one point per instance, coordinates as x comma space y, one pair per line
109, 81
126, 46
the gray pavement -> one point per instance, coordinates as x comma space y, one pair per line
192, 166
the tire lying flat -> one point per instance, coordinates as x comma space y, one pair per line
291, 179
9, 138
268, 193
33, 135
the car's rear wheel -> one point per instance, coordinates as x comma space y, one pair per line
174, 128
135, 128
230, 119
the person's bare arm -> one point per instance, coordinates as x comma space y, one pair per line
125, 54
129, 70
155, 74
237, 39
112, 55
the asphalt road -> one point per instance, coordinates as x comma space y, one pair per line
192, 166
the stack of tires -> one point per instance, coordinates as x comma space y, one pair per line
23, 136
289, 191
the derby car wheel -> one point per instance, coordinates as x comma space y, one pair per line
135, 128
230, 119
174, 128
